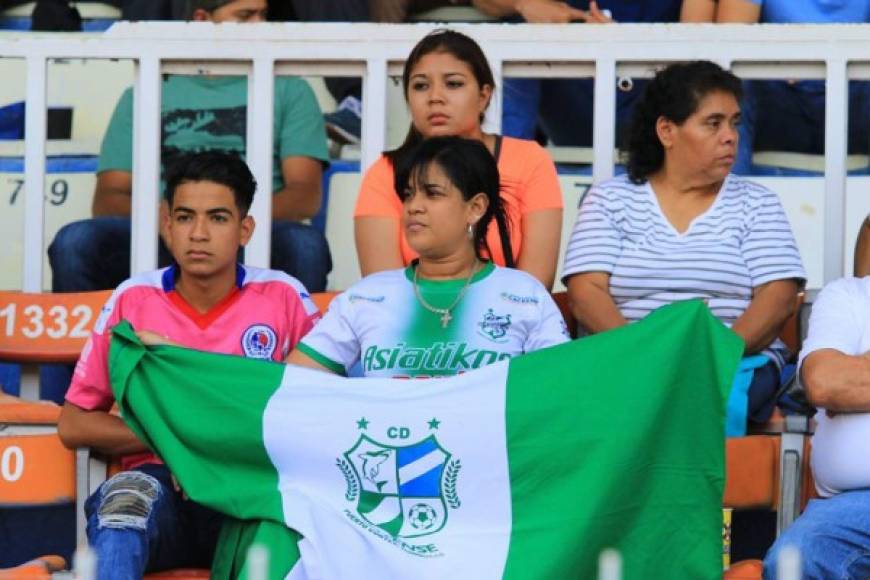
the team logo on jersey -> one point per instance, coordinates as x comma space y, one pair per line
494, 326
357, 297
517, 299
400, 492
259, 341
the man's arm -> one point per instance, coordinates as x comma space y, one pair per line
99, 430
533, 11
542, 231
113, 194
862, 251
738, 11
836, 381
300, 197
698, 11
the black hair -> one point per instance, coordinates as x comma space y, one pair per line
675, 94
460, 46
471, 168
225, 168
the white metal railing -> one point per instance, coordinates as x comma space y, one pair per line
835, 53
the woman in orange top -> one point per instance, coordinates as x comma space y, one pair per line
448, 85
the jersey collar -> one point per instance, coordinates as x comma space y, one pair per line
170, 275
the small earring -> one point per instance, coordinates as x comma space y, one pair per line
470, 231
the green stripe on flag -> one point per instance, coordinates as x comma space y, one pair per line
225, 402
636, 460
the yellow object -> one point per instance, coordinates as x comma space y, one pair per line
726, 538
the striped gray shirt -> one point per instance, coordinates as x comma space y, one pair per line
742, 241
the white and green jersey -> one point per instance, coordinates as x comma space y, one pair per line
380, 322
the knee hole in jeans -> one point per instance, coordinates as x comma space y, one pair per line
126, 500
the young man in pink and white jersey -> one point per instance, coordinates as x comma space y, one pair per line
139, 520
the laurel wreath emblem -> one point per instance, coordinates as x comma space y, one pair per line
450, 483
352, 485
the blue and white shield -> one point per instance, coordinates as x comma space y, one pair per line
400, 486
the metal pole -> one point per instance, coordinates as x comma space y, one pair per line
34, 173
261, 110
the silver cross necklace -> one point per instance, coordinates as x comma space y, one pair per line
444, 313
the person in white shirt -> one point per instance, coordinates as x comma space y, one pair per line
833, 534
451, 310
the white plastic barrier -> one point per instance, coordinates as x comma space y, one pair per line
832, 52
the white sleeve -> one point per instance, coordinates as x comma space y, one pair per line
596, 241
550, 328
837, 319
333, 342
769, 247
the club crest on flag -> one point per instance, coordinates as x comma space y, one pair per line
406, 490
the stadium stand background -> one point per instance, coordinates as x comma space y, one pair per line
91, 87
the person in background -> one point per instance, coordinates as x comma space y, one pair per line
680, 226
832, 535
448, 85
344, 124
562, 107
139, 520
204, 113
789, 115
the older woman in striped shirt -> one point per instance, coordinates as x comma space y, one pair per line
679, 226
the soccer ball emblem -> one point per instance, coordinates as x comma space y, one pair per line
422, 516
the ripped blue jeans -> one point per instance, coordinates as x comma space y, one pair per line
138, 523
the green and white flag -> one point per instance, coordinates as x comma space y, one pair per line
527, 468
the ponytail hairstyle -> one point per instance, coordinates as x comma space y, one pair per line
675, 94
456, 44
471, 168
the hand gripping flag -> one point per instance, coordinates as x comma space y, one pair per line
525, 469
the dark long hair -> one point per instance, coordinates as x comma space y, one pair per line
471, 168
674, 93
460, 46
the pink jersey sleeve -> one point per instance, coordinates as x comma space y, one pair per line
90, 388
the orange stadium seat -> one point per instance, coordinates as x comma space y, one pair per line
38, 569
323, 299
45, 328
35, 468
745, 570
752, 472
751, 482
794, 430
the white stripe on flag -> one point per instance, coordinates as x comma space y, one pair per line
421, 466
